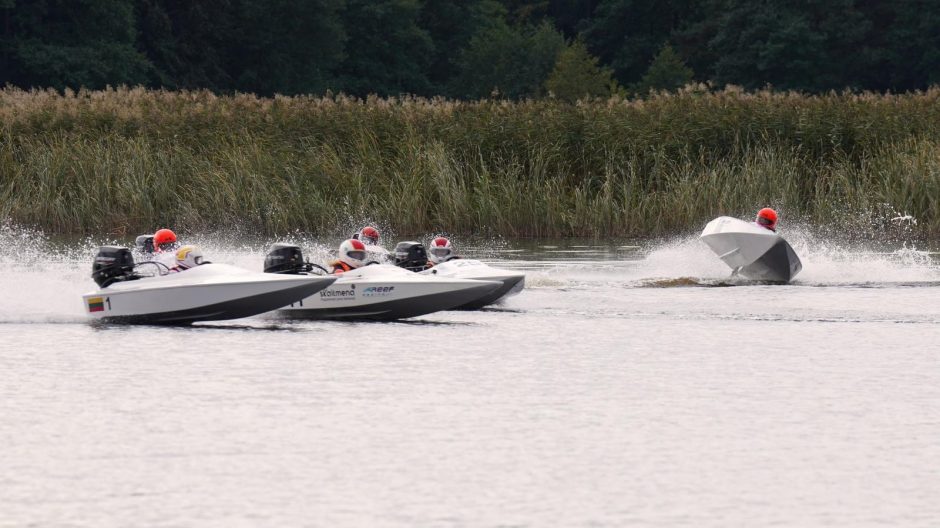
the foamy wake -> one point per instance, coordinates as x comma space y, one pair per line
825, 262
43, 281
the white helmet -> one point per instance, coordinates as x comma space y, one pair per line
353, 253
188, 257
440, 250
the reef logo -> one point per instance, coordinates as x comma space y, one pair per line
378, 291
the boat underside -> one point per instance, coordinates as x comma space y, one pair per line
778, 264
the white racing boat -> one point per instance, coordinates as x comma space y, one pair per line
751, 251
377, 292
511, 282
210, 292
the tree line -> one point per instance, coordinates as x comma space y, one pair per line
470, 49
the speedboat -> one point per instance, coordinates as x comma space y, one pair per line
376, 292
751, 251
511, 282
209, 292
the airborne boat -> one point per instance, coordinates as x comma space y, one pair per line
751, 251
209, 292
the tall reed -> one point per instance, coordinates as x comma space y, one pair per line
127, 160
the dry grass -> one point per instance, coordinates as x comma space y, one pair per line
131, 159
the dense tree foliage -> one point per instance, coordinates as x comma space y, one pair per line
508, 61
667, 72
467, 48
577, 75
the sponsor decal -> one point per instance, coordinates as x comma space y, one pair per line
339, 294
378, 291
96, 304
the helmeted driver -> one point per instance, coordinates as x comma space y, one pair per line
441, 250
187, 257
369, 236
164, 240
352, 255
767, 218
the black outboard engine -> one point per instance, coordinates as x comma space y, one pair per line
411, 255
144, 243
113, 264
285, 258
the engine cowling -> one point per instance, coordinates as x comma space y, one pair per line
411, 255
144, 244
285, 258
113, 264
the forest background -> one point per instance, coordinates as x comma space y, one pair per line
461, 115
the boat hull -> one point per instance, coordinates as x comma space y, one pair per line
212, 292
778, 264
752, 251
387, 293
511, 283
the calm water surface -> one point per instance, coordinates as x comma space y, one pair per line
626, 386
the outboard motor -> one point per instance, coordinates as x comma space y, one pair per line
286, 258
113, 264
144, 243
411, 255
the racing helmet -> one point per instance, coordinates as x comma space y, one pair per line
369, 236
188, 257
441, 250
767, 217
353, 253
164, 240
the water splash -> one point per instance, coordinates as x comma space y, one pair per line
826, 261
44, 278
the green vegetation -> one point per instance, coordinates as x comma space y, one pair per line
124, 160
466, 48
578, 76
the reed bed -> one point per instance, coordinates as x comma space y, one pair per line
124, 161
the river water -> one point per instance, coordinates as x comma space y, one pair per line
628, 385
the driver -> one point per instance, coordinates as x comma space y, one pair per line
767, 218
352, 255
162, 248
369, 236
441, 250
164, 240
188, 256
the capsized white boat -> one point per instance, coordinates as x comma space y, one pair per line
511, 282
377, 291
751, 251
210, 292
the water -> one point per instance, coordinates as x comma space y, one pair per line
626, 386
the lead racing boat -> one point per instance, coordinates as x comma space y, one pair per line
413, 256
208, 292
511, 282
751, 251
374, 292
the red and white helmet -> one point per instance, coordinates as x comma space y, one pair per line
440, 250
369, 235
353, 253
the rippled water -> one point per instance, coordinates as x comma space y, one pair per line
626, 386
